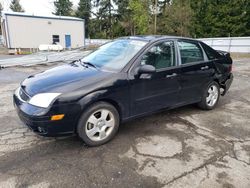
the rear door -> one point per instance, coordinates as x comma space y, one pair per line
151, 92
196, 70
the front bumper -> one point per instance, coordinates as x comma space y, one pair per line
226, 85
42, 124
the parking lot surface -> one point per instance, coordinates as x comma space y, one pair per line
185, 147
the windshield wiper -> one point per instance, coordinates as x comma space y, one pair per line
88, 64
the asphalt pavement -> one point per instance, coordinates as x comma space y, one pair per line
185, 147
41, 58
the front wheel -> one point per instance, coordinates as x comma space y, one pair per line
98, 124
210, 97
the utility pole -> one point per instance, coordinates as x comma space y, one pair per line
155, 11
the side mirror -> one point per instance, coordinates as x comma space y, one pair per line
146, 69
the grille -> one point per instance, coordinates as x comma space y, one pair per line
23, 95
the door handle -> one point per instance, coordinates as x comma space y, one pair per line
205, 68
171, 75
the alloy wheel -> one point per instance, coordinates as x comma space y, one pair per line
100, 125
212, 97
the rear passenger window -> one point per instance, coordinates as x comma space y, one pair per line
190, 52
211, 53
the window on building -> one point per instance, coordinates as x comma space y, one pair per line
56, 39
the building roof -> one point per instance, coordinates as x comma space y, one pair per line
21, 14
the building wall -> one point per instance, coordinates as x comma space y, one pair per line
30, 32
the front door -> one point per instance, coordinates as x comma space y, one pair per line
67, 41
150, 92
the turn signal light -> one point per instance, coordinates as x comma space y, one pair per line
57, 117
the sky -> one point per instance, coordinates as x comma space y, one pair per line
35, 7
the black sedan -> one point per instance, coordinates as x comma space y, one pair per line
121, 80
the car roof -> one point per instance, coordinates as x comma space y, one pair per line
151, 38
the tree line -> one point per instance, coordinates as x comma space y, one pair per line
192, 18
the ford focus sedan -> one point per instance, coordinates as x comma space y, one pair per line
126, 78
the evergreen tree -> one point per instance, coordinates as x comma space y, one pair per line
105, 10
140, 12
1, 9
124, 25
220, 18
175, 18
196, 18
84, 12
15, 6
63, 7
102, 24
247, 14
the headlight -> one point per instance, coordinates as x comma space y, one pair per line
43, 99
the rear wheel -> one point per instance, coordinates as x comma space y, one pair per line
210, 96
98, 124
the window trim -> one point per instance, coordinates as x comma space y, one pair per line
138, 60
176, 63
204, 53
204, 45
205, 59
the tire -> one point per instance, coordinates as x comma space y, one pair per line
211, 92
98, 118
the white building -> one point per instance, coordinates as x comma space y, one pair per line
22, 30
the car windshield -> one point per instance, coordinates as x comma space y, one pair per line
114, 55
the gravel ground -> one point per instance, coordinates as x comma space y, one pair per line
185, 147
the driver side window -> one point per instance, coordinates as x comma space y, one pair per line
160, 56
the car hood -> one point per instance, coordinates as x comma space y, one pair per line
64, 79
